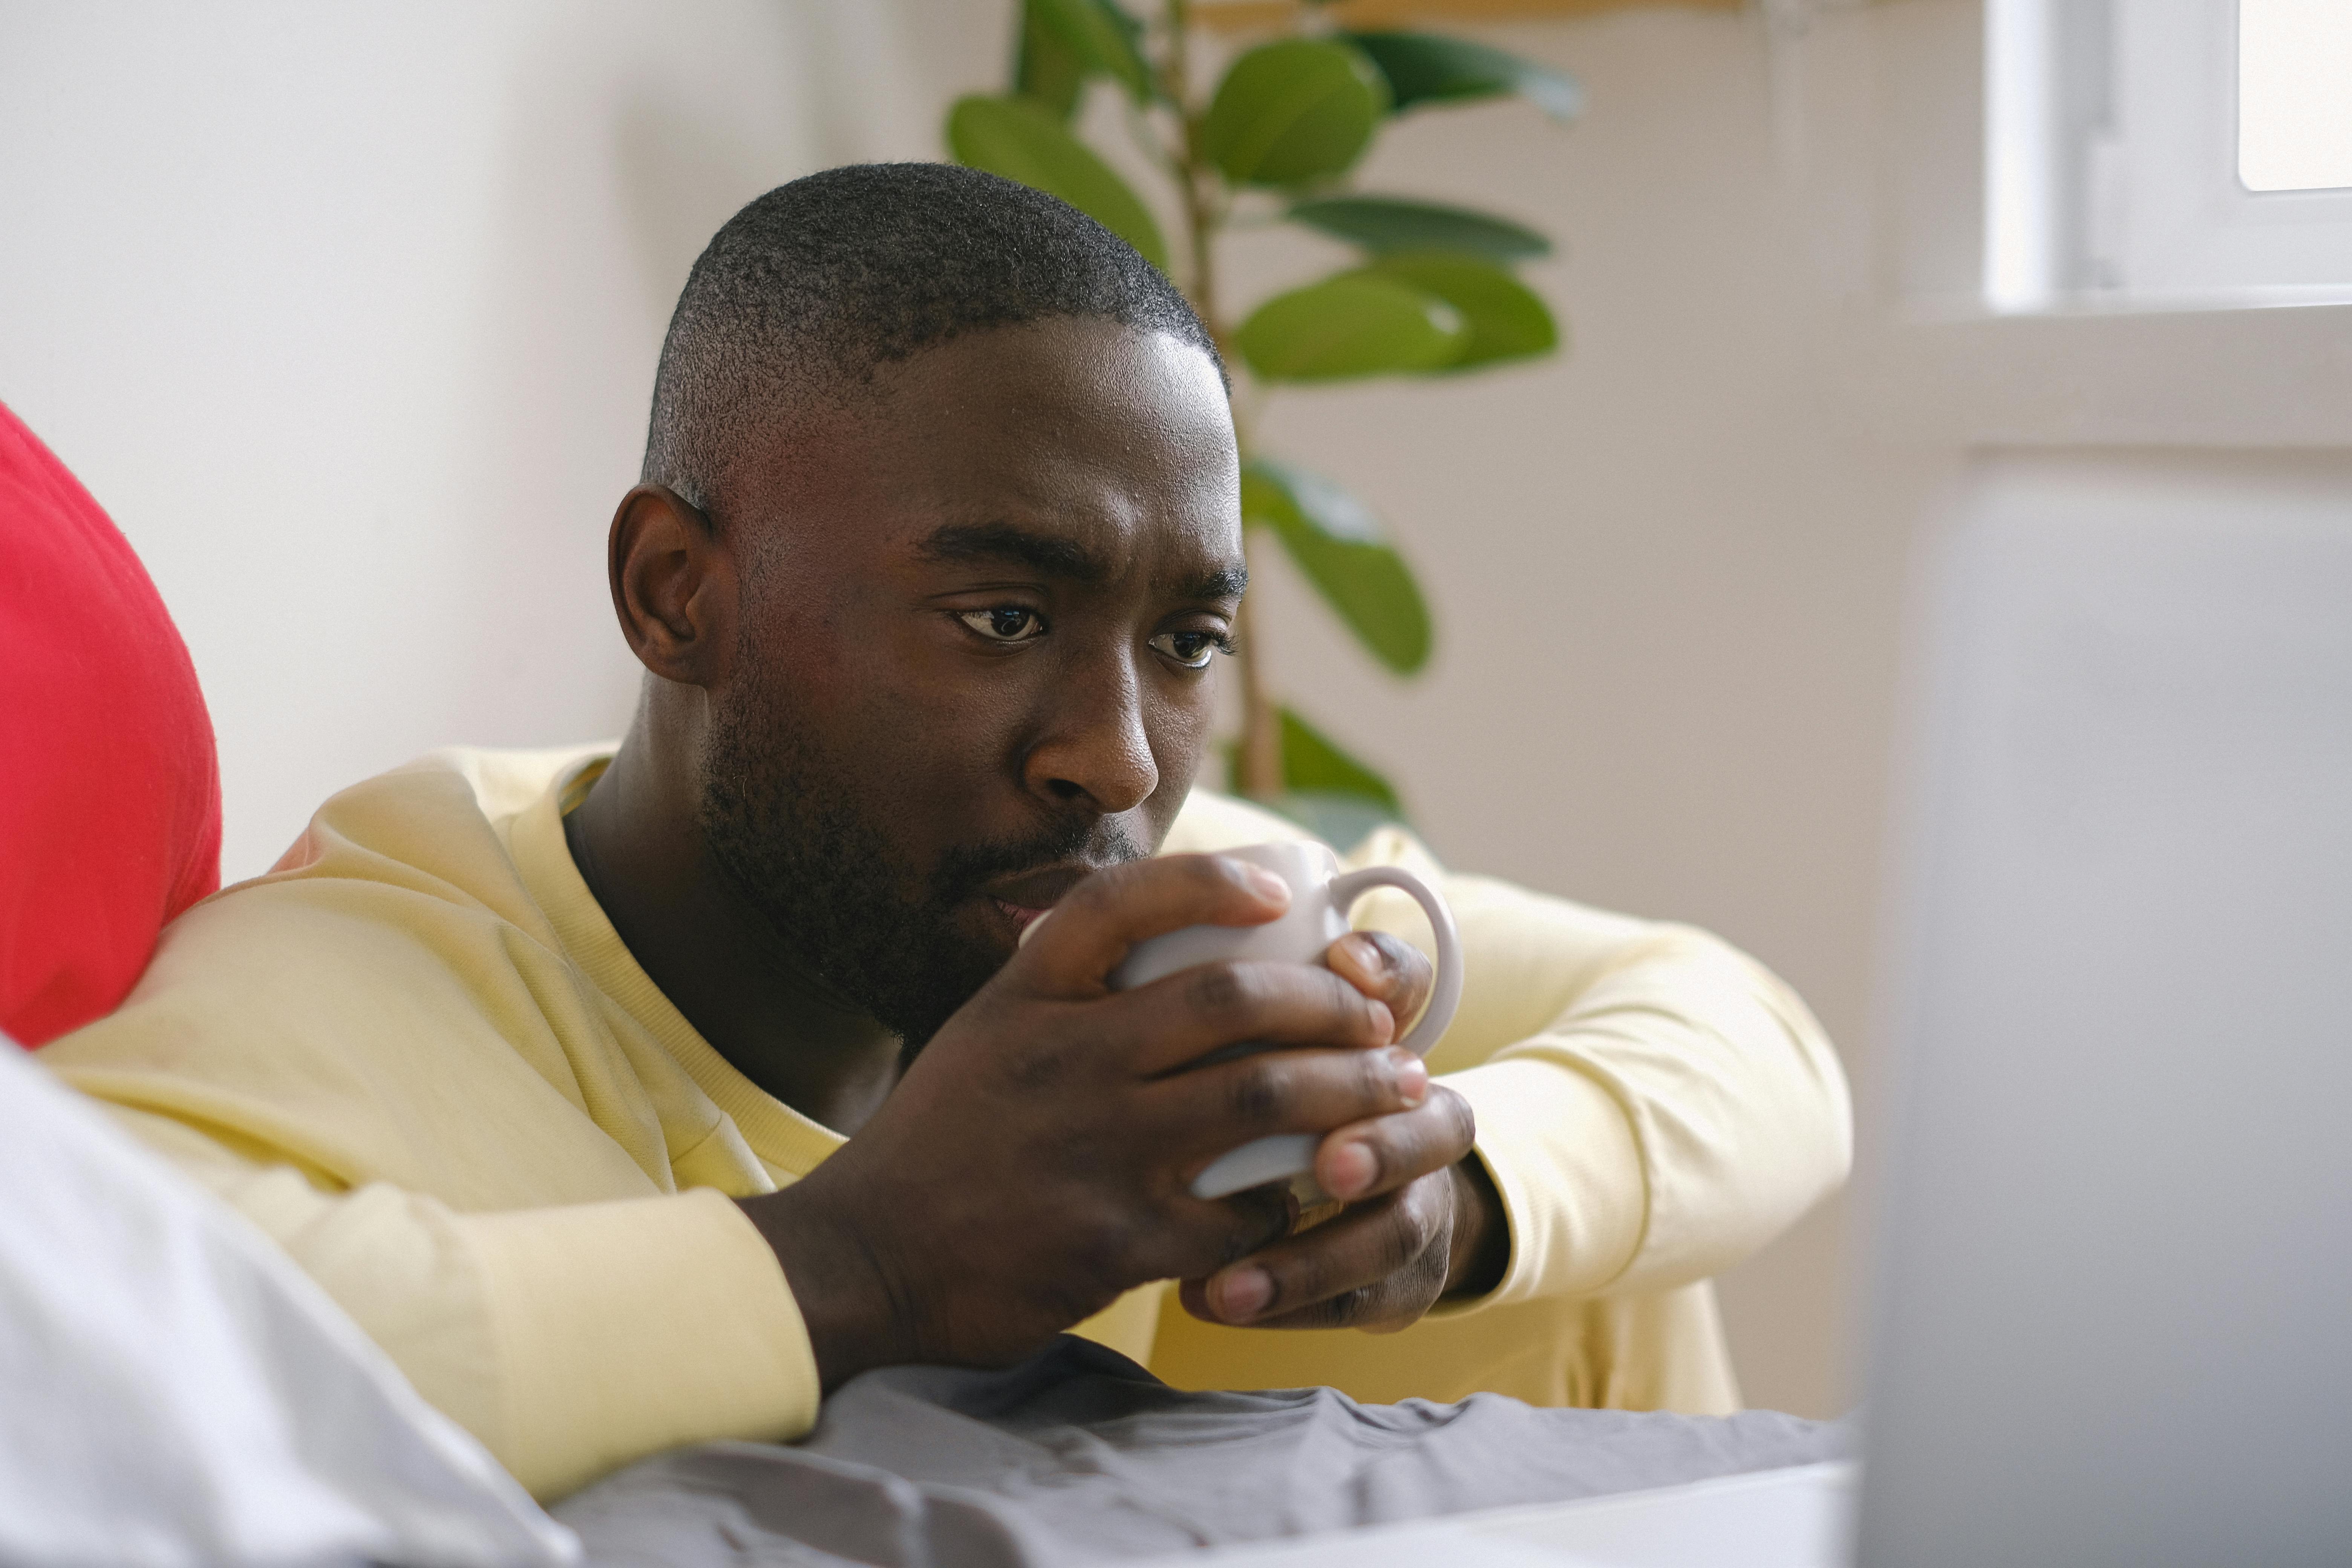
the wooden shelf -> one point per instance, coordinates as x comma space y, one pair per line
1251, 15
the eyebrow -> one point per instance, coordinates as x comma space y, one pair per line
966, 541
1223, 583
961, 543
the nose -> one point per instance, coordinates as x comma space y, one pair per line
1096, 751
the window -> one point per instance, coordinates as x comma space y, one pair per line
2168, 152
2295, 94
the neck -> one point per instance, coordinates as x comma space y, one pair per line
640, 849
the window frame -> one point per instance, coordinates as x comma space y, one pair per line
2111, 148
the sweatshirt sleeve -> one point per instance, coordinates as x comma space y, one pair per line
1653, 1105
569, 1340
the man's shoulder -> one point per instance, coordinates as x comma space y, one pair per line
404, 890
386, 1002
439, 828
440, 811
506, 779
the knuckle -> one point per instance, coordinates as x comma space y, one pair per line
1352, 1306
1259, 1093
1401, 1244
1037, 1071
1217, 992
1209, 875
1464, 1119
1427, 1222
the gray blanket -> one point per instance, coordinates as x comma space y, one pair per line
1080, 1456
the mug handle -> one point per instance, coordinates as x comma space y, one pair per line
1447, 996
1292, 1154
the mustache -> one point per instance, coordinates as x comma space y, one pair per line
1096, 841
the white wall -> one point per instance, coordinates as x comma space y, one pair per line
349, 316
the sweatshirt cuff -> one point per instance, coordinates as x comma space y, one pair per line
629, 1327
1564, 1160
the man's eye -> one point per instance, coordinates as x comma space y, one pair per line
1192, 649
1007, 624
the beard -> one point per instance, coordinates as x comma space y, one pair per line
783, 821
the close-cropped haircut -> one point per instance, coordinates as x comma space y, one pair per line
807, 291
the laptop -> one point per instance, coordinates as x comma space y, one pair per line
2112, 1314
2114, 1321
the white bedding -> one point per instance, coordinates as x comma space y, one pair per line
173, 1391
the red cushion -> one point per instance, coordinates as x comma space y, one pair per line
110, 792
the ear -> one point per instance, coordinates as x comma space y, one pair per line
674, 586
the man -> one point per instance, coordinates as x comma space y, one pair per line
542, 1064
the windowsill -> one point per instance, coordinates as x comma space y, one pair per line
2277, 376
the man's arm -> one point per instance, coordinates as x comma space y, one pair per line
1652, 1106
469, 1149
569, 1340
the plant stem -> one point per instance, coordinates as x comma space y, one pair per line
1257, 771
1257, 766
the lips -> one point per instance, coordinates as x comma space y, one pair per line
1021, 915
1024, 898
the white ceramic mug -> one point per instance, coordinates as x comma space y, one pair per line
1320, 898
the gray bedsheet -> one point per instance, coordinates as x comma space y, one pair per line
1079, 1455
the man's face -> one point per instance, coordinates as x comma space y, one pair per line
979, 612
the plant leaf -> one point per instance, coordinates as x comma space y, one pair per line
1100, 34
1046, 69
1342, 821
1358, 323
1313, 764
1507, 320
1339, 546
1023, 140
1293, 110
1430, 68
1380, 224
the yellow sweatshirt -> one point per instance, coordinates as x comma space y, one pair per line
417, 1054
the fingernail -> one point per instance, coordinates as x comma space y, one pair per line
1266, 883
1349, 1170
1383, 1020
1372, 955
1242, 1293
1411, 1076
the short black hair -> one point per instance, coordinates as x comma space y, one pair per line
812, 287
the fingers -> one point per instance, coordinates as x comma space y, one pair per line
1086, 934
1380, 1265
1211, 1110
1189, 1014
1196, 1238
1385, 1153
1386, 968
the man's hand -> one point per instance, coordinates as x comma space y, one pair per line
1423, 1221
1035, 1161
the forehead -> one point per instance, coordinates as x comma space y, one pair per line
1119, 440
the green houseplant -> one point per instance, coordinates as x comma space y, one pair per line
1432, 292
